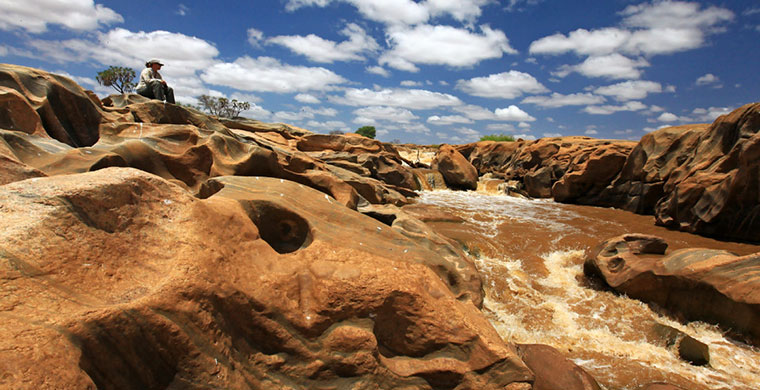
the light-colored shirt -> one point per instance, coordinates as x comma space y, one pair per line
146, 76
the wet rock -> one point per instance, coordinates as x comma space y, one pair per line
650, 164
554, 371
694, 351
429, 179
708, 285
456, 170
538, 183
689, 348
268, 284
589, 173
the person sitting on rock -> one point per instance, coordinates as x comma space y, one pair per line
152, 85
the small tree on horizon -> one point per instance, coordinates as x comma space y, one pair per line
367, 131
120, 78
221, 106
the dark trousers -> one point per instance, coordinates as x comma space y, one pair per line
157, 90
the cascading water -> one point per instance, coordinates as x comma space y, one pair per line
530, 254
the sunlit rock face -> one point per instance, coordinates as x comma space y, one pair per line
714, 286
147, 245
570, 169
456, 170
697, 178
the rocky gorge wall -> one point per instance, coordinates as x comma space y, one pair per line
148, 245
702, 179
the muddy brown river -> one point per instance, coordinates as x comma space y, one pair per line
531, 253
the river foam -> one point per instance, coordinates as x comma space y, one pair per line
611, 336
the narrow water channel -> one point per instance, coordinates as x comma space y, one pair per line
531, 253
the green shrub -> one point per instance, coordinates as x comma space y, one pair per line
498, 138
367, 131
222, 107
118, 77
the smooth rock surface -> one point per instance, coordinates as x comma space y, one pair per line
708, 285
456, 170
119, 279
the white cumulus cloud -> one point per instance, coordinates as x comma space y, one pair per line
442, 45
513, 114
448, 119
307, 98
370, 115
34, 17
708, 79
612, 66
630, 90
610, 109
414, 99
266, 74
559, 100
322, 50
506, 85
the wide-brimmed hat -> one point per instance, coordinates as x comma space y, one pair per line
153, 61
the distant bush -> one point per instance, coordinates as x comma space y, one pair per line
336, 132
222, 107
367, 131
498, 138
117, 77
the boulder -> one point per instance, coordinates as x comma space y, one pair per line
713, 286
456, 170
65, 110
554, 371
268, 284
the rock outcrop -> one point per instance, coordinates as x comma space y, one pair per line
554, 371
118, 279
456, 170
570, 169
147, 245
696, 178
64, 130
708, 285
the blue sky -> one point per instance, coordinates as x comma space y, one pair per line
428, 71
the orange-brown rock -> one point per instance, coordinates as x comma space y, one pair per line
181, 144
661, 386
65, 111
571, 169
696, 178
554, 371
708, 285
456, 170
118, 279
649, 165
716, 190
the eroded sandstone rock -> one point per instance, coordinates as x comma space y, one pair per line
66, 112
456, 170
708, 285
554, 371
118, 279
